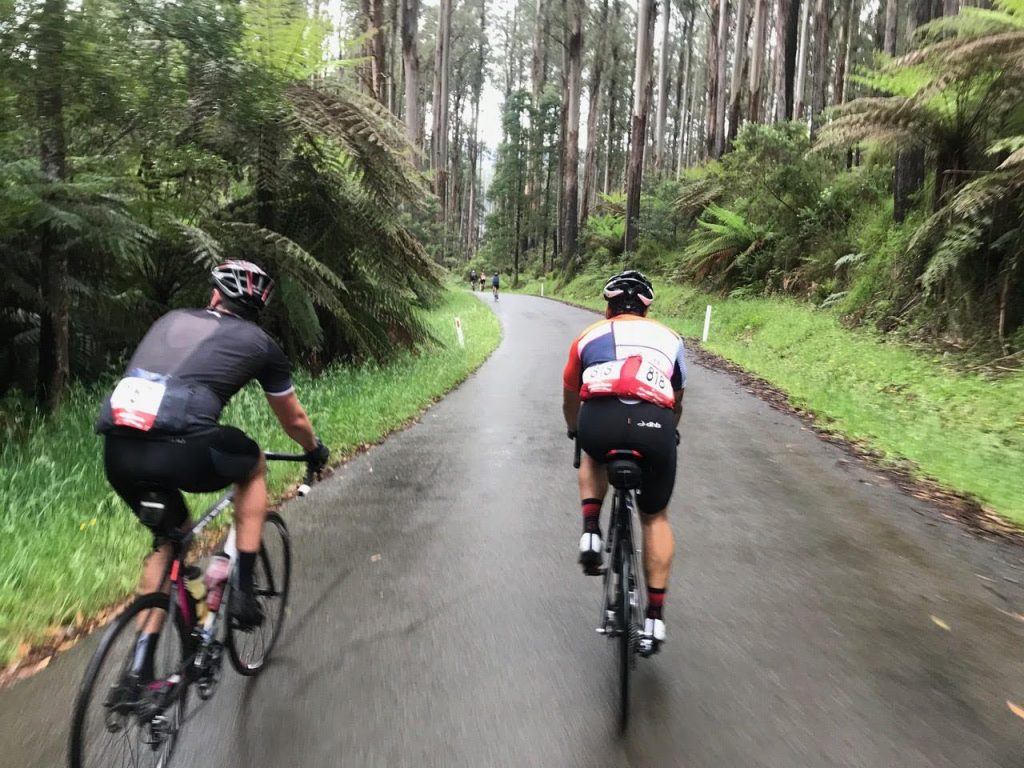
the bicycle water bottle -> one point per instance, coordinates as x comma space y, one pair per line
216, 579
197, 592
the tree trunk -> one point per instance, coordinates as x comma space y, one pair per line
439, 132
757, 54
711, 65
394, 65
846, 48
686, 110
891, 20
593, 112
819, 87
646, 12
738, 64
662, 114
787, 23
721, 83
373, 17
474, 148
570, 179
799, 87
677, 123
611, 138
537, 73
908, 175
411, 63
538, 76
54, 321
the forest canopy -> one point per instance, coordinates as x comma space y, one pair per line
866, 157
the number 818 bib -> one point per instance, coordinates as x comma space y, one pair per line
633, 377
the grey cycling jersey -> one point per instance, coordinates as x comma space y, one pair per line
187, 368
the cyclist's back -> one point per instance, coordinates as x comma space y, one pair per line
202, 358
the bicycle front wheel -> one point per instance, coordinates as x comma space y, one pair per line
132, 700
250, 649
627, 631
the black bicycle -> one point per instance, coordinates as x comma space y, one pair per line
125, 717
625, 589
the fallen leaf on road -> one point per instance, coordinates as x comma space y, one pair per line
374, 558
1018, 711
939, 623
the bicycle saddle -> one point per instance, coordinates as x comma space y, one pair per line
623, 468
161, 509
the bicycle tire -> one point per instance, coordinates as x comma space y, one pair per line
271, 583
77, 746
626, 632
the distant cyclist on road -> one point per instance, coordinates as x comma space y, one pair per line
161, 423
623, 389
495, 284
472, 279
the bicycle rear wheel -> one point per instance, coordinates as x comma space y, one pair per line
249, 650
120, 719
627, 632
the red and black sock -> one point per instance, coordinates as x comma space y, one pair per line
592, 516
655, 602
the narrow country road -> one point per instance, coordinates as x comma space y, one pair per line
817, 616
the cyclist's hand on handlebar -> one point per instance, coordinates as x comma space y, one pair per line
571, 434
316, 459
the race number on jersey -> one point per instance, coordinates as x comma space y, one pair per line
135, 402
631, 377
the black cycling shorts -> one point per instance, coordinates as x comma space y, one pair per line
607, 423
196, 463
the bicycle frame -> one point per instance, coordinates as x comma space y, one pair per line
174, 582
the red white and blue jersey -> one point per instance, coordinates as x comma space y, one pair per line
629, 357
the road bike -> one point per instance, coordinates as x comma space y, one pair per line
624, 603
125, 718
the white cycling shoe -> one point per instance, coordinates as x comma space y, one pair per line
591, 557
652, 637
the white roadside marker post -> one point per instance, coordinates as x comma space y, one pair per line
707, 324
542, 286
458, 332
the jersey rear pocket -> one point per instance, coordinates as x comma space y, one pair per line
146, 401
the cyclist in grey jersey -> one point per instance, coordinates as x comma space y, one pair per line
161, 423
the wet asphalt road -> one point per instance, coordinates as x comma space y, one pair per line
800, 608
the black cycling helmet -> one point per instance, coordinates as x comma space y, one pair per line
629, 292
244, 286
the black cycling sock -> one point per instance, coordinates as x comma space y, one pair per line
655, 602
591, 515
246, 563
145, 651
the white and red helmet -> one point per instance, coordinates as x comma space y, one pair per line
629, 291
243, 283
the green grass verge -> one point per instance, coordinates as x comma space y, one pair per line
69, 547
964, 430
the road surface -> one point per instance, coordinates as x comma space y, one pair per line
439, 619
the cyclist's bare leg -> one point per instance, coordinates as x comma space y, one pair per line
593, 478
251, 509
659, 548
153, 569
